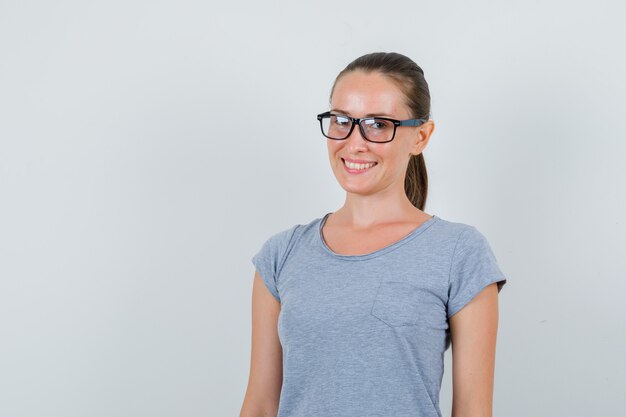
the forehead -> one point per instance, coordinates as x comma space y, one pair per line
359, 93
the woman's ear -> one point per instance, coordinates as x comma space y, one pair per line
424, 133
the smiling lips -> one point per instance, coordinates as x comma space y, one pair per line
357, 167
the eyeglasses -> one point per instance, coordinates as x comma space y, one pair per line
373, 129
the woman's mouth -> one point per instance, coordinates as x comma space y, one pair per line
357, 168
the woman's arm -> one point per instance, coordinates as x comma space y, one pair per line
473, 335
266, 367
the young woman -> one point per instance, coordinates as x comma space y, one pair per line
352, 312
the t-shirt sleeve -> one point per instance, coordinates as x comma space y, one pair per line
474, 266
269, 259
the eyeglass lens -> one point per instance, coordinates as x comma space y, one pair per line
338, 127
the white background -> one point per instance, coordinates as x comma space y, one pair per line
148, 148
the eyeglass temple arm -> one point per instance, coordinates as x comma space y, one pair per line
413, 122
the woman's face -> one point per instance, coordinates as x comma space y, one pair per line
360, 94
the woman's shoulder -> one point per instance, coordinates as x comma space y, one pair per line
453, 228
284, 235
462, 237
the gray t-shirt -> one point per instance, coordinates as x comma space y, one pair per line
365, 335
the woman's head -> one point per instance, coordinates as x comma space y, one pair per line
392, 85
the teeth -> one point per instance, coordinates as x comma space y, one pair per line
359, 166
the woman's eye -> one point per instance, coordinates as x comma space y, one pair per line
378, 124
341, 121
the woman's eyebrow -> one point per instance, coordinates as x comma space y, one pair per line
381, 114
340, 111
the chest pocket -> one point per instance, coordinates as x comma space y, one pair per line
397, 303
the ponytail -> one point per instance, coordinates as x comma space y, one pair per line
416, 181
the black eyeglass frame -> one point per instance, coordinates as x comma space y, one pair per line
357, 121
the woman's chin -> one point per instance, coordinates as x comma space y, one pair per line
355, 184
356, 188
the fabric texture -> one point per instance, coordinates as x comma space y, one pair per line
365, 335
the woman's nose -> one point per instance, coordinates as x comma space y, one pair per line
356, 140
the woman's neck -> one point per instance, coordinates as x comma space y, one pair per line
360, 211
